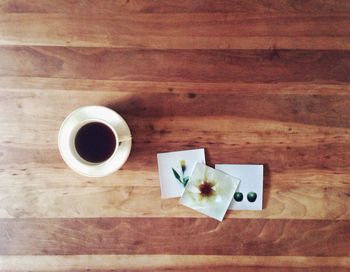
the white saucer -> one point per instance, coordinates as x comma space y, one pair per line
97, 113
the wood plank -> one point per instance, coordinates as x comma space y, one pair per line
278, 121
177, 65
58, 175
14, 83
290, 115
321, 154
323, 111
192, 30
173, 262
152, 114
180, 6
173, 236
288, 200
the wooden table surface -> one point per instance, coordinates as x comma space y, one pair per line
250, 81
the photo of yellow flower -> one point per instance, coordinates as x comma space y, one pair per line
209, 191
175, 169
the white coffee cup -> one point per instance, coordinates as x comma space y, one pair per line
94, 114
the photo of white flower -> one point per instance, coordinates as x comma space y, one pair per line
209, 191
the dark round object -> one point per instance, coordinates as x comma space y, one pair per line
251, 196
95, 142
238, 196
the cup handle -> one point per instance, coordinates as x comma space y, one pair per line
122, 139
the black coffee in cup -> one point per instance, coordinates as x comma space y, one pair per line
95, 142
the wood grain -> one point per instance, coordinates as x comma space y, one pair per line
174, 236
250, 81
180, 6
198, 24
177, 65
286, 201
202, 31
150, 87
168, 262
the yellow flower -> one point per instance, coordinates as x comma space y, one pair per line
183, 166
182, 163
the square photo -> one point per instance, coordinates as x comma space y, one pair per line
249, 194
175, 170
209, 191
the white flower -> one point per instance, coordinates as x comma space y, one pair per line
204, 191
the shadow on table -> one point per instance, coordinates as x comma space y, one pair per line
143, 111
267, 186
